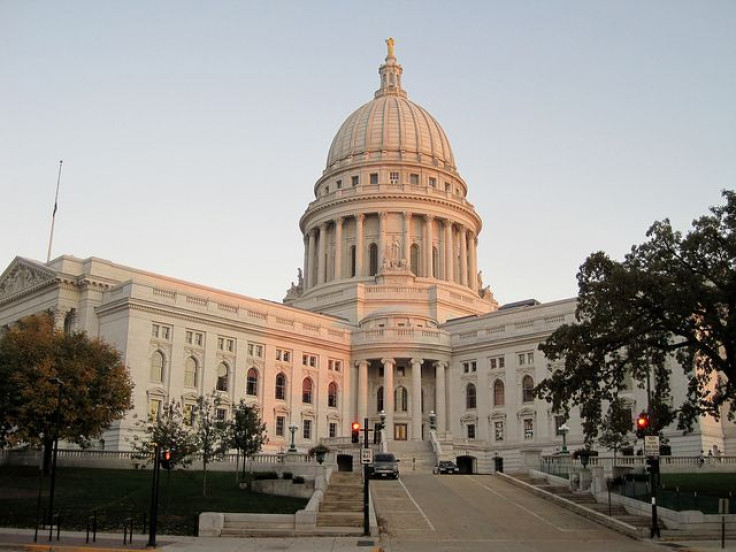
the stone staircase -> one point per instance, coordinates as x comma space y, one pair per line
342, 503
414, 456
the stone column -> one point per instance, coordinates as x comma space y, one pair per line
388, 395
449, 270
473, 260
407, 237
362, 390
440, 397
322, 249
310, 274
381, 238
338, 248
416, 399
463, 256
428, 219
306, 261
359, 246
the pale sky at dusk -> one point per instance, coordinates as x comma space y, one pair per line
192, 133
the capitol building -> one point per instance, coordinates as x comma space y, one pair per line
389, 314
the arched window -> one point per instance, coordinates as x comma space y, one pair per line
307, 388
223, 377
470, 396
353, 263
251, 382
414, 258
280, 386
332, 395
157, 367
379, 400
373, 259
527, 389
499, 392
401, 399
435, 262
191, 372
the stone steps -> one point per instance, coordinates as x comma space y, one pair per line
342, 503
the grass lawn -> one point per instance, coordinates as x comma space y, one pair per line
119, 494
712, 484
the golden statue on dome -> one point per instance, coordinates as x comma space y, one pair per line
390, 44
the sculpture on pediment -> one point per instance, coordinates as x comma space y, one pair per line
20, 277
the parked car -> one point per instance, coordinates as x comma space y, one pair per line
384, 464
446, 466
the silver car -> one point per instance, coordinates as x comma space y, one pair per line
384, 464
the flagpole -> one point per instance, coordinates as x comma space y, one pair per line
53, 215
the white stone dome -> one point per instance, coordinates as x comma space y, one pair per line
391, 127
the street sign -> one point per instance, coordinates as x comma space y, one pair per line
651, 445
366, 456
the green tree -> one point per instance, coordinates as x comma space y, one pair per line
210, 432
671, 298
170, 428
617, 426
247, 431
36, 359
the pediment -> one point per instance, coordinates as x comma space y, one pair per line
23, 274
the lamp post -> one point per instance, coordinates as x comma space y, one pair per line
57, 427
432, 420
563, 429
292, 427
382, 418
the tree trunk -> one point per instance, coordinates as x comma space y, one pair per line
204, 478
48, 449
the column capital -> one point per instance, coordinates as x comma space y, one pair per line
338, 220
359, 363
387, 361
407, 214
416, 361
360, 217
323, 226
382, 214
428, 217
440, 364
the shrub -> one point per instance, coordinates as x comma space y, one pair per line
287, 475
298, 479
265, 475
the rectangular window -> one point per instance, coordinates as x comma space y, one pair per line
374, 179
528, 429
400, 371
283, 355
447, 187
156, 330
339, 184
334, 365
220, 343
559, 422
497, 363
280, 425
333, 429
393, 177
189, 414
471, 431
161, 331
255, 350
154, 409
355, 181
414, 179
199, 339
522, 358
307, 429
309, 360
221, 414
530, 358
470, 366
189, 337
432, 181
230, 345
498, 430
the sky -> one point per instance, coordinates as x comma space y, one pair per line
192, 133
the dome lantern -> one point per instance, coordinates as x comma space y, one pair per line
390, 74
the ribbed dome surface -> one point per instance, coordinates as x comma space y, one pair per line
392, 124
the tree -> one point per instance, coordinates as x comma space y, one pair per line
247, 432
616, 427
210, 432
96, 385
671, 298
172, 431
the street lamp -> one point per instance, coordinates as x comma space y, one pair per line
432, 420
563, 429
292, 427
57, 428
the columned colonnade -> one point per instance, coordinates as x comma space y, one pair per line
456, 259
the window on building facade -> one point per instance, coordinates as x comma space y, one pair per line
435, 262
527, 389
471, 431
283, 355
528, 428
470, 366
221, 414
414, 179
307, 427
497, 363
448, 188
333, 430
161, 331
355, 180
339, 184
379, 399
393, 177
157, 367
193, 337
374, 179
189, 413
432, 181
559, 422
223, 377
251, 382
401, 399
526, 358
373, 259
191, 372
498, 431
414, 259
332, 395
255, 350
334, 365
154, 409
280, 386
353, 266
400, 370
470, 396
309, 360
307, 389
499, 392
280, 426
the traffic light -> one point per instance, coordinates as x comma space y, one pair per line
165, 459
355, 437
642, 425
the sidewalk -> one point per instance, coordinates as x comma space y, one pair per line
21, 540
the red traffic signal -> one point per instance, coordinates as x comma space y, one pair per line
165, 459
642, 424
355, 437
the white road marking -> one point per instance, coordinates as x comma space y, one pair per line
417, 506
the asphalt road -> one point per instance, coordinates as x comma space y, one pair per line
473, 513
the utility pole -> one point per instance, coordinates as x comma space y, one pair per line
366, 501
